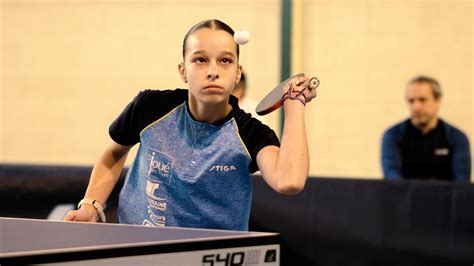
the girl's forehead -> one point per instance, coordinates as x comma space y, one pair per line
209, 40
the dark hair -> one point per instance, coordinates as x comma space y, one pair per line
213, 24
435, 87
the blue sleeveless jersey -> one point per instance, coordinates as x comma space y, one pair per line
188, 174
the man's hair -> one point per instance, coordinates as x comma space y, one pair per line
435, 87
212, 24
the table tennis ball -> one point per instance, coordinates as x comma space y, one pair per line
241, 37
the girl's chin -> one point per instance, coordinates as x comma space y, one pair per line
213, 98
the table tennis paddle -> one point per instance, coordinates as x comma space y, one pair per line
274, 98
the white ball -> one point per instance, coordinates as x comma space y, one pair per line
241, 37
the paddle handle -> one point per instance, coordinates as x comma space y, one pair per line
312, 83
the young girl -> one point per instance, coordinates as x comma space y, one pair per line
197, 147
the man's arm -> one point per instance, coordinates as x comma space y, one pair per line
285, 169
391, 158
104, 176
461, 157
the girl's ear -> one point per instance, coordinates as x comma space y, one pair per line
182, 72
239, 74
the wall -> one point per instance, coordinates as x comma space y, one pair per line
69, 67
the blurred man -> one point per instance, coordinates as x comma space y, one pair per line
244, 102
240, 88
425, 146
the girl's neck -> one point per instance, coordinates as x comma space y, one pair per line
208, 113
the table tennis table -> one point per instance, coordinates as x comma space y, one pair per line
28, 241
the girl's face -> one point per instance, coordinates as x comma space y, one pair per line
210, 66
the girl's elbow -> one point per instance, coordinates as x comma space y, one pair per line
291, 187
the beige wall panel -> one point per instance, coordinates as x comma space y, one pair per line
69, 67
364, 53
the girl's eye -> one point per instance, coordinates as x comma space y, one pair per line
199, 60
226, 60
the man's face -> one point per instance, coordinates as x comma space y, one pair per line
422, 103
210, 65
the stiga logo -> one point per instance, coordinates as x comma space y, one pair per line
222, 168
160, 166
